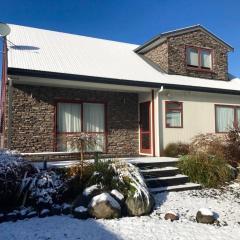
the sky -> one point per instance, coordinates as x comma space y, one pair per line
132, 21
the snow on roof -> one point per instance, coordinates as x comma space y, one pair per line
50, 51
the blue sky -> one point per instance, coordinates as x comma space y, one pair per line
133, 21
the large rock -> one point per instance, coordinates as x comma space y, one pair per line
205, 215
80, 212
104, 206
118, 196
138, 205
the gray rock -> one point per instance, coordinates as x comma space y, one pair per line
205, 215
117, 195
80, 212
44, 213
31, 214
104, 206
66, 208
56, 209
233, 171
12, 216
139, 205
2, 217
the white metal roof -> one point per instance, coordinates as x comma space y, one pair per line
49, 51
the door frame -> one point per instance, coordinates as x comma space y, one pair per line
141, 150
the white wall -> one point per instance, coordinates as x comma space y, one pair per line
198, 114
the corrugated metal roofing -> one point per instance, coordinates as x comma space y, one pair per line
49, 51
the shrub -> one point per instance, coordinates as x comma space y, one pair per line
232, 150
208, 170
176, 149
43, 189
211, 144
13, 169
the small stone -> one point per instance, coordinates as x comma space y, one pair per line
56, 209
205, 215
31, 214
44, 213
80, 212
12, 216
66, 208
171, 216
2, 217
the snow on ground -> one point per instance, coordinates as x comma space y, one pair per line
224, 202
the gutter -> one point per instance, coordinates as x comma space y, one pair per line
82, 78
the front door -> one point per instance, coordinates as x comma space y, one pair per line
145, 128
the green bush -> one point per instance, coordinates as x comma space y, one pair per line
208, 170
176, 149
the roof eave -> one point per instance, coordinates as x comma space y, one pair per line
64, 76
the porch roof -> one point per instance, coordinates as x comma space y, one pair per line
49, 54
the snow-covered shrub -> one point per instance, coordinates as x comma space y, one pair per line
44, 189
13, 169
208, 170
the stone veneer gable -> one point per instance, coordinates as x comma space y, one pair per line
171, 55
33, 124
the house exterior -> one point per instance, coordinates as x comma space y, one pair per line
132, 99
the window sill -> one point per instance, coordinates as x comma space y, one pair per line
200, 69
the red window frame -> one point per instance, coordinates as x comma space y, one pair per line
56, 133
235, 122
199, 67
167, 110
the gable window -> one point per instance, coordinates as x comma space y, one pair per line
75, 119
199, 58
227, 117
174, 114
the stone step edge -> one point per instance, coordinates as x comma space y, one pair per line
178, 176
159, 169
186, 186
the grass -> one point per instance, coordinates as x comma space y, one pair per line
208, 170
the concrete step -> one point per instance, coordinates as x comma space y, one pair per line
152, 163
166, 181
159, 172
182, 187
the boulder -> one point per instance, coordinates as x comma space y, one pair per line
12, 216
2, 217
171, 216
233, 171
23, 213
104, 206
84, 198
205, 215
117, 195
139, 204
80, 212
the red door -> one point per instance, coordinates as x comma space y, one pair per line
145, 128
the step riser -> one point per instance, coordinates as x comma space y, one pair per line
156, 165
166, 173
167, 182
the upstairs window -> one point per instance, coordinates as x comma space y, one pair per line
199, 58
174, 114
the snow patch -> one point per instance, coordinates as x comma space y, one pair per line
104, 197
206, 212
80, 209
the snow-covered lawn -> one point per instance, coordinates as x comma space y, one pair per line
225, 202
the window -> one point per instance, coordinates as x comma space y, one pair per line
199, 58
227, 117
174, 112
76, 118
